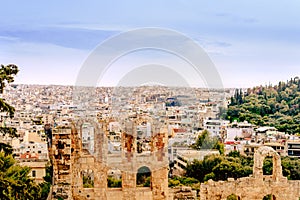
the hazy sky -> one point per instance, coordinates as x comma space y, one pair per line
250, 42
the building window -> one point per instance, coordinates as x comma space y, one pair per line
295, 146
33, 173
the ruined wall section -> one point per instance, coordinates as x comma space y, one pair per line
250, 189
257, 186
259, 157
71, 161
83, 161
60, 154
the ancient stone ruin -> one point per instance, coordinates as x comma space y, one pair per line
82, 174
255, 187
72, 163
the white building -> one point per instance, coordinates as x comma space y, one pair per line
214, 126
88, 135
187, 156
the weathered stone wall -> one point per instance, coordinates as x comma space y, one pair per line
98, 165
70, 161
256, 187
60, 153
160, 183
250, 189
182, 192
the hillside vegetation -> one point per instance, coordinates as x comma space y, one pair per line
277, 106
234, 165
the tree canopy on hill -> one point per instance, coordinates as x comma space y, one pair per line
277, 106
234, 165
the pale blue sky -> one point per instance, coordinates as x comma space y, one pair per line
250, 42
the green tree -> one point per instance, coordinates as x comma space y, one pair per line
220, 167
174, 183
15, 182
231, 168
234, 165
277, 106
205, 141
220, 147
234, 154
114, 183
182, 180
143, 177
46, 185
268, 197
87, 180
7, 74
291, 168
199, 169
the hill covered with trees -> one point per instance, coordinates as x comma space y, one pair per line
277, 106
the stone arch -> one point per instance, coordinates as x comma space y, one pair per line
233, 197
269, 197
259, 156
144, 176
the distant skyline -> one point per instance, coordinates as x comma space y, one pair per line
250, 42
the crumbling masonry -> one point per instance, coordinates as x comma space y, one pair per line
256, 186
71, 161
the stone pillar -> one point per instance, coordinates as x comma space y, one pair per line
100, 141
258, 166
100, 181
128, 185
76, 178
277, 168
159, 183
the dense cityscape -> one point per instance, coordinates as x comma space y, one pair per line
149, 100
185, 129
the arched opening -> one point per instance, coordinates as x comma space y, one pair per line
88, 137
269, 197
267, 162
87, 178
114, 138
143, 177
268, 166
114, 178
233, 197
